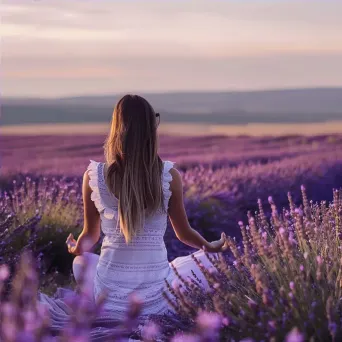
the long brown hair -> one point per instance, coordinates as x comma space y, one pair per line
134, 167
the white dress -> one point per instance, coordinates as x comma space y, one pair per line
141, 266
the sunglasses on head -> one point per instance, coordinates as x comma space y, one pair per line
158, 118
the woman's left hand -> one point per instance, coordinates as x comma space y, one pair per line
217, 246
72, 245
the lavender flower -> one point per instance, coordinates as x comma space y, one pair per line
150, 332
208, 321
185, 338
4, 273
295, 336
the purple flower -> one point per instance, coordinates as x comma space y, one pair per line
4, 272
299, 211
272, 324
333, 328
150, 331
225, 321
209, 321
212, 270
80, 338
185, 338
30, 321
9, 330
319, 260
294, 336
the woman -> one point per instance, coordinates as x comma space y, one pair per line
130, 197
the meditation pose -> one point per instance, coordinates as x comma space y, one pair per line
130, 197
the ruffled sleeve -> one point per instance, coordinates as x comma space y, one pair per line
96, 197
167, 178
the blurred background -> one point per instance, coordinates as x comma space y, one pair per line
250, 96
206, 66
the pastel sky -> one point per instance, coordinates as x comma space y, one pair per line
52, 48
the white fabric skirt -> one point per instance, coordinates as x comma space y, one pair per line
106, 322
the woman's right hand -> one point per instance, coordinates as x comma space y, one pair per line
72, 245
217, 246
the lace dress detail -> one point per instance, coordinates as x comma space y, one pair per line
97, 185
141, 266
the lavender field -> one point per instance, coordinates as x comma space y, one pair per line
223, 176
40, 204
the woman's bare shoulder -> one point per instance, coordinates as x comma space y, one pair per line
176, 182
175, 174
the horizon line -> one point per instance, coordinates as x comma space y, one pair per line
172, 92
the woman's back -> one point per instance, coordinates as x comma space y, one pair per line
133, 256
140, 265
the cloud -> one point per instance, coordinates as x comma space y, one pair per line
164, 74
181, 42
204, 24
65, 34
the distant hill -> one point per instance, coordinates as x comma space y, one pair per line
274, 106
